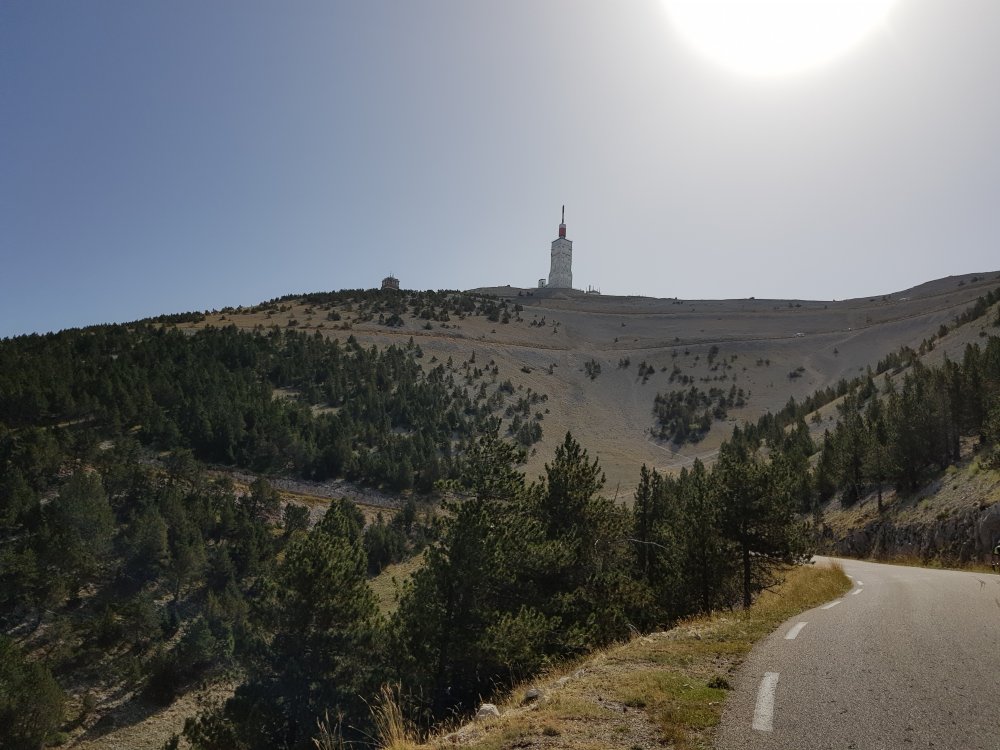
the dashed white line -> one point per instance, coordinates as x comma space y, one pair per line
831, 605
763, 713
796, 629
860, 583
856, 592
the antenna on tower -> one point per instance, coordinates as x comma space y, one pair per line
564, 214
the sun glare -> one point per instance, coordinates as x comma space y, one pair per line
775, 37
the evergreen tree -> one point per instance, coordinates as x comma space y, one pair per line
17, 499
583, 579
79, 527
487, 468
850, 453
322, 656
876, 448
658, 547
708, 560
468, 583
31, 703
757, 514
146, 543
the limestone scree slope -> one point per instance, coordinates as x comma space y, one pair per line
770, 349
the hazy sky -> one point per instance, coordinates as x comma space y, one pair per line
168, 156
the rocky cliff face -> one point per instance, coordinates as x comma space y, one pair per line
961, 537
954, 519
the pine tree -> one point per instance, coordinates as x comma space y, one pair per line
584, 578
79, 529
757, 513
322, 656
850, 449
658, 547
876, 449
708, 559
31, 702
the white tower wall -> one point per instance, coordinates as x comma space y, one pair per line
561, 268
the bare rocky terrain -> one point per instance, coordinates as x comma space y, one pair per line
760, 343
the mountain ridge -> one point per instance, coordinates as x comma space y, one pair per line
549, 341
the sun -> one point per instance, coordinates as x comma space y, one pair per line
776, 37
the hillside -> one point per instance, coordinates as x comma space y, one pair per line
169, 486
951, 520
556, 333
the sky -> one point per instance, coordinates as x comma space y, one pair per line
162, 157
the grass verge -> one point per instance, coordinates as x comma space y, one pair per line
659, 690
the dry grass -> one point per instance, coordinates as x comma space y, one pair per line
328, 735
660, 690
391, 728
804, 587
388, 585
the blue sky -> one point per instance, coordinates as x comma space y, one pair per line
168, 156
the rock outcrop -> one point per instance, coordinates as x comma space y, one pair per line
964, 537
488, 711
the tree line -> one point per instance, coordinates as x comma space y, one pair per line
897, 430
369, 415
899, 433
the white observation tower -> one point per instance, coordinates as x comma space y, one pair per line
561, 270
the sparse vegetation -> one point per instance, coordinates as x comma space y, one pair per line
687, 416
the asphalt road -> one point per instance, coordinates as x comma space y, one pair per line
909, 658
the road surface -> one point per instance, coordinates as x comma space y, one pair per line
909, 658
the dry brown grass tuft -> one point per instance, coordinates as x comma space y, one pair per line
391, 729
329, 737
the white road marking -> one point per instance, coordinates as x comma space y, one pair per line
763, 713
856, 592
859, 583
831, 605
796, 629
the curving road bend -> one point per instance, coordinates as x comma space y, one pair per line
909, 658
